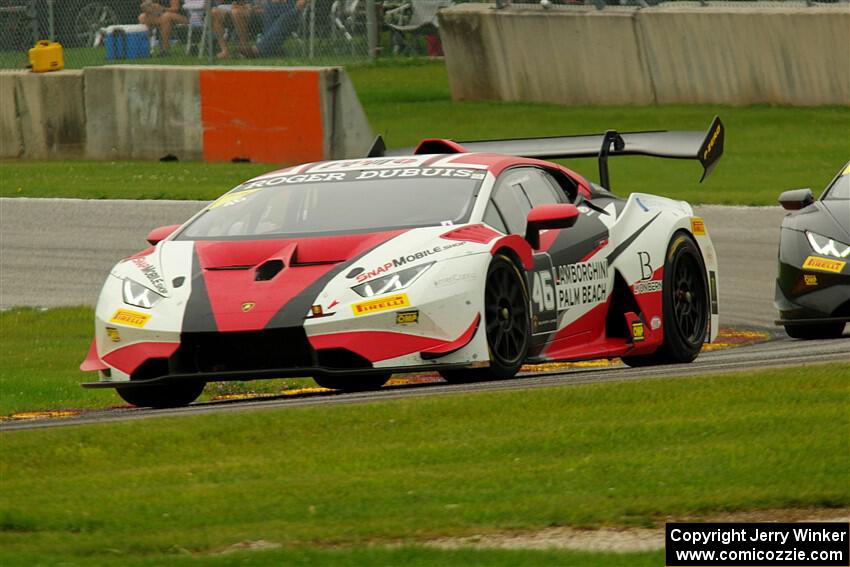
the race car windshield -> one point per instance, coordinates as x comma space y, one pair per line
840, 189
340, 205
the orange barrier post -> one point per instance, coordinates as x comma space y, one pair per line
262, 115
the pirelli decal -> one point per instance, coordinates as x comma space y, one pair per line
823, 264
711, 141
130, 318
697, 226
382, 304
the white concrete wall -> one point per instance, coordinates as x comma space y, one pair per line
347, 131
626, 55
525, 53
148, 112
143, 112
795, 56
42, 115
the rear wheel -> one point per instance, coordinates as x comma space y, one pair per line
353, 383
685, 306
822, 331
507, 323
168, 395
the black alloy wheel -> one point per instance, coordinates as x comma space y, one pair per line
690, 300
685, 305
506, 321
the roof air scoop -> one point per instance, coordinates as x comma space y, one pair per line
268, 270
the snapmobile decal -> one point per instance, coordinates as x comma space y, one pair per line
362, 276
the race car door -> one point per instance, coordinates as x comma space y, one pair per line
566, 281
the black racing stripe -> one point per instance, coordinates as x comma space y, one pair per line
198, 317
293, 313
627, 242
570, 247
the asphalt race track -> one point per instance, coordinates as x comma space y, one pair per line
56, 252
771, 354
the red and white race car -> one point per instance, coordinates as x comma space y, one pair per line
469, 258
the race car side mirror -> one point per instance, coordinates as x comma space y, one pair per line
796, 199
543, 217
161, 233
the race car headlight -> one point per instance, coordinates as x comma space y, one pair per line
827, 246
138, 295
391, 282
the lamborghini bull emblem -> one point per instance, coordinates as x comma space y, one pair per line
247, 306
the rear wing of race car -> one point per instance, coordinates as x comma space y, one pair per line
706, 147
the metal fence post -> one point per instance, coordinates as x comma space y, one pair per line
209, 29
50, 19
371, 29
33, 15
312, 28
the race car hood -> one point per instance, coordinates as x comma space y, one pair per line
248, 285
823, 217
838, 210
253, 284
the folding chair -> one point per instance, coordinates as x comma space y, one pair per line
410, 20
348, 20
197, 11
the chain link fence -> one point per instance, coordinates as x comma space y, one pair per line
264, 32
603, 4
192, 32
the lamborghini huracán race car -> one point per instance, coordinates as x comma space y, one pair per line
467, 258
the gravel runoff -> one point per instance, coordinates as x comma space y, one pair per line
626, 540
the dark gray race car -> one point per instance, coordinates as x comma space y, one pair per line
813, 285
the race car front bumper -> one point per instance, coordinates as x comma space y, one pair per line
270, 353
807, 298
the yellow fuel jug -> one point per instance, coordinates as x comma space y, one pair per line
46, 56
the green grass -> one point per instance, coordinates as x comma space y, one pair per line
768, 149
408, 556
40, 355
404, 471
363, 556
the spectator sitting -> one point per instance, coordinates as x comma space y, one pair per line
162, 14
280, 18
240, 13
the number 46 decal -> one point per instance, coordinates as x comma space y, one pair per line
542, 291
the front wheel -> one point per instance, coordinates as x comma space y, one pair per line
168, 395
822, 331
506, 321
685, 306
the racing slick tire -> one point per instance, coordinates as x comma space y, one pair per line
506, 322
353, 384
685, 305
808, 332
168, 395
